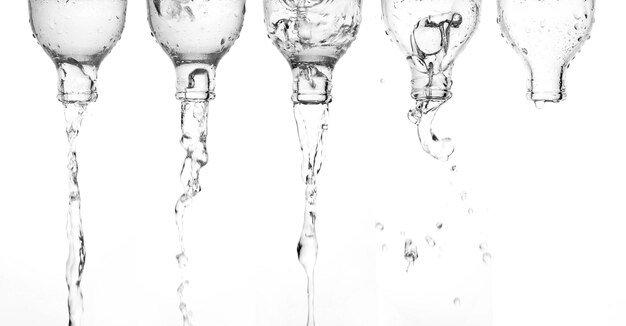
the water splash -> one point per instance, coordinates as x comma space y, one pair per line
423, 115
410, 253
77, 254
311, 120
194, 116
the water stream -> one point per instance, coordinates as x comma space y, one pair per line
311, 120
76, 258
194, 116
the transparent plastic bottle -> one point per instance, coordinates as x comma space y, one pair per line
312, 35
195, 35
431, 34
77, 35
547, 34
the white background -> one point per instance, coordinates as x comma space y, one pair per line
548, 186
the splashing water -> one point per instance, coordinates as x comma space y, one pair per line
430, 44
194, 118
423, 115
410, 253
311, 120
77, 254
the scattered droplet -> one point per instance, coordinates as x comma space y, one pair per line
379, 227
453, 168
410, 253
430, 241
487, 258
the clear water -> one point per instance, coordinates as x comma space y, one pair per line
200, 31
312, 31
76, 240
312, 35
431, 34
547, 34
77, 35
194, 117
312, 125
195, 35
78, 30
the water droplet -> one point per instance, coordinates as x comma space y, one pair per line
453, 168
410, 253
379, 227
430, 241
540, 104
439, 225
382, 80
483, 246
487, 258
470, 211
457, 301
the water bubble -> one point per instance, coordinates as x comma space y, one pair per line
379, 227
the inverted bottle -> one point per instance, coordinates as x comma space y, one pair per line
195, 35
431, 34
77, 35
312, 35
547, 34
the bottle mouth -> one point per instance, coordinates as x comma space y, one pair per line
195, 81
312, 84
77, 82
431, 94
546, 96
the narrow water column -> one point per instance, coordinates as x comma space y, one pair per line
77, 89
195, 85
75, 237
311, 97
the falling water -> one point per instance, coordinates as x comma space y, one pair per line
76, 258
430, 44
194, 118
311, 120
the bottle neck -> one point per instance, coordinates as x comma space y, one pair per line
77, 82
430, 85
547, 84
195, 81
312, 84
